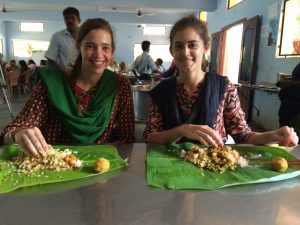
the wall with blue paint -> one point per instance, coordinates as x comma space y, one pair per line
268, 65
126, 36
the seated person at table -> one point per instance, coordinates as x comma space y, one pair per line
172, 71
199, 106
122, 67
159, 64
289, 111
89, 105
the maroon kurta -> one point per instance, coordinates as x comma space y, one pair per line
39, 112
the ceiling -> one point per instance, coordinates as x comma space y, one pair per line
115, 11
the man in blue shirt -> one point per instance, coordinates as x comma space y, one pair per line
144, 63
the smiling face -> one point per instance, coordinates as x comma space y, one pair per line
188, 48
96, 51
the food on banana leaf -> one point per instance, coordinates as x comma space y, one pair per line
279, 164
217, 159
55, 161
101, 165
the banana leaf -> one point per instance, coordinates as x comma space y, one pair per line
165, 169
11, 180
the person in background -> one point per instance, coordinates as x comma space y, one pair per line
289, 95
35, 76
23, 79
62, 49
31, 70
43, 63
12, 67
13, 72
159, 64
89, 105
122, 67
198, 106
31, 64
113, 66
144, 63
172, 71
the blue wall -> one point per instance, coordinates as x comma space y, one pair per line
125, 36
268, 65
13, 32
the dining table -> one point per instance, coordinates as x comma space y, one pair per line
123, 197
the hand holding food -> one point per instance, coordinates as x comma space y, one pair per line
286, 136
32, 142
202, 133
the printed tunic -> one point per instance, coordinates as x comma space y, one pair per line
39, 112
230, 119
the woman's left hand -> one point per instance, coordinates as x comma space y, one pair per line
286, 136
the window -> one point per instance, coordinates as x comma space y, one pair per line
289, 40
156, 51
232, 3
1, 45
31, 27
25, 48
154, 30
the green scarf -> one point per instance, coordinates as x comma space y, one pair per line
86, 129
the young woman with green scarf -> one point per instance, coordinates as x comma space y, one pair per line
90, 104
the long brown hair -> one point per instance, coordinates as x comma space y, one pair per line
85, 28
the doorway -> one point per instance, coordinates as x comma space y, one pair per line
234, 54
231, 64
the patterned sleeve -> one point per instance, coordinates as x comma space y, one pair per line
234, 117
34, 113
125, 121
154, 122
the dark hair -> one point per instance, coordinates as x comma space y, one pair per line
71, 11
31, 61
23, 64
145, 45
43, 62
193, 22
159, 61
85, 28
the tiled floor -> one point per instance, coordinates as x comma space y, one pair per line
18, 103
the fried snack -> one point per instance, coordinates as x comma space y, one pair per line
279, 164
101, 165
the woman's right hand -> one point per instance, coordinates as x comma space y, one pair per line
202, 133
32, 141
